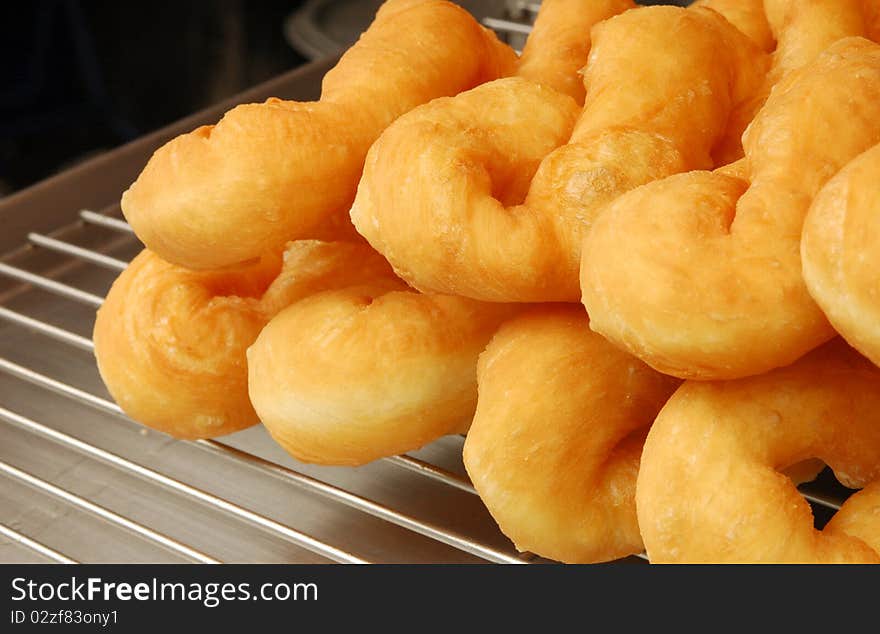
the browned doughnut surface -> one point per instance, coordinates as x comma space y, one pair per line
840, 250
699, 274
349, 376
710, 487
170, 343
456, 195
554, 447
272, 172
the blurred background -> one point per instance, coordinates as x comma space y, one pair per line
81, 77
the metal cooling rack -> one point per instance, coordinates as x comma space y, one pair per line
79, 481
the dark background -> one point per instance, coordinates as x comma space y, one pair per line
79, 77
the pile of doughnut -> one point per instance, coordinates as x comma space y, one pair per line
638, 266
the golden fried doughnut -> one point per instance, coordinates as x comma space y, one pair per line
749, 17
840, 250
709, 487
170, 343
872, 18
554, 447
746, 15
699, 274
448, 193
345, 377
558, 46
804, 29
858, 517
271, 172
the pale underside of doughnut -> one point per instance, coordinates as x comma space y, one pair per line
699, 274
349, 376
841, 252
710, 487
554, 447
456, 195
272, 172
170, 343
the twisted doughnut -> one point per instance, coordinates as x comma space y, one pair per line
710, 285
555, 459
803, 29
709, 489
349, 376
170, 343
840, 253
558, 46
271, 172
746, 15
872, 18
749, 17
448, 193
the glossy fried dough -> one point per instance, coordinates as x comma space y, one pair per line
708, 284
710, 488
840, 250
170, 343
746, 15
273, 172
456, 195
349, 376
555, 443
559, 43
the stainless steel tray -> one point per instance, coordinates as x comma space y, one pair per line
80, 482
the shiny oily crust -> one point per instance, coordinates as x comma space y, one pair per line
353, 375
840, 250
557, 48
750, 18
272, 172
746, 15
462, 197
554, 447
699, 274
710, 487
170, 343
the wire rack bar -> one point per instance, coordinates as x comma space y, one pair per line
59, 246
820, 499
108, 222
365, 505
54, 332
433, 472
34, 545
50, 285
408, 462
368, 506
285, 532
106, 514
507, 26
337, 494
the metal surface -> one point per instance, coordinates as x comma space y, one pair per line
81, 482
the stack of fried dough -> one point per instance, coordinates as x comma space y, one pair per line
637, 265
